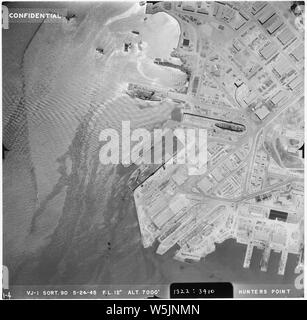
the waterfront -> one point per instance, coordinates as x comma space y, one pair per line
67, 218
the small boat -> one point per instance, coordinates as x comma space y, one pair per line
70, 16
100, 50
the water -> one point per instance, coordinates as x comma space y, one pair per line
61, 207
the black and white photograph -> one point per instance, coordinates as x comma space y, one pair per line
153, 150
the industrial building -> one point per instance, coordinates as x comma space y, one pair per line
278, 215
262, 112
266, 15
286, 36
188, 8
279, 98
273, 24
298, 53
186, 42
282, 67
295, 83
268, 51
257, 7
202, 11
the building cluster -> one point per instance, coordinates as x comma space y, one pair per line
216, 152
224, 170
230, 15
267, 229
178, 220
231, 188
258, 171
262, 61
273, 60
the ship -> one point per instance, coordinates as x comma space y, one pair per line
230, 126
143, 94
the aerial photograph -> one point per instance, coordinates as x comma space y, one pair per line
149, 145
